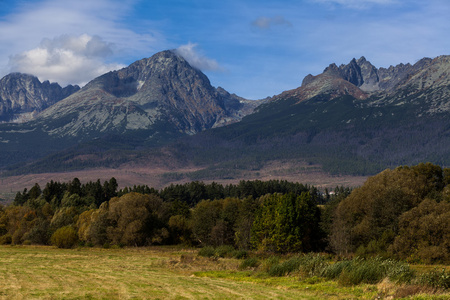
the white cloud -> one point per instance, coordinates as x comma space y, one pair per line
65, 59
266, 22
197, 59
85, 45
85, 36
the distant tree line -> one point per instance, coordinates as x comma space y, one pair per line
402, 213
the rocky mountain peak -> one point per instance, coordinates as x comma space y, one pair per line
152, 77
359, 72
23, 95
162, 89
332, 69
352, 73
361, 60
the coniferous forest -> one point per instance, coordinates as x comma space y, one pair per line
400, 213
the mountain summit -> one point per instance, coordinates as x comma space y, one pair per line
162, 91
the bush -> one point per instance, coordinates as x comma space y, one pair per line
207, 251
333, 271
38, 234
240, 254
6, 239
270, 262
361, 273
251, 262
399, 272
65, 237
224, 250
313, 265
285, 267
436, 279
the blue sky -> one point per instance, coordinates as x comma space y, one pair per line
252, 48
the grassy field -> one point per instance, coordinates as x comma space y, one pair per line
33, 272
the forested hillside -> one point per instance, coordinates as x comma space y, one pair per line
344, 135
402, 213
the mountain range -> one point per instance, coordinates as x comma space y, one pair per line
350, 119
150, 102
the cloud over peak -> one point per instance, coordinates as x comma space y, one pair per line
196, 59
66, 59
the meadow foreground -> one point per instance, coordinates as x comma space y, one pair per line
41, 272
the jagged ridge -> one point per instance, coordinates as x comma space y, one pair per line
22, 96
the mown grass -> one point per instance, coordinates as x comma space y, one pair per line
36, 272
32, 272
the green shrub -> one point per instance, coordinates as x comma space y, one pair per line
398, 271
313, 265
333, 271
240, 254
6, 239
251, 262
65, 237
436, 279
207, 251
361, 272
286, 267
224, 251
268, 263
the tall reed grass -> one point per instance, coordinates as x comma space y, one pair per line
347, 272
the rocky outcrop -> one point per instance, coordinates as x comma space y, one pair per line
328, 84
333, 82
22, 96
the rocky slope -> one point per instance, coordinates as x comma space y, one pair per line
156, 92
23, 96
